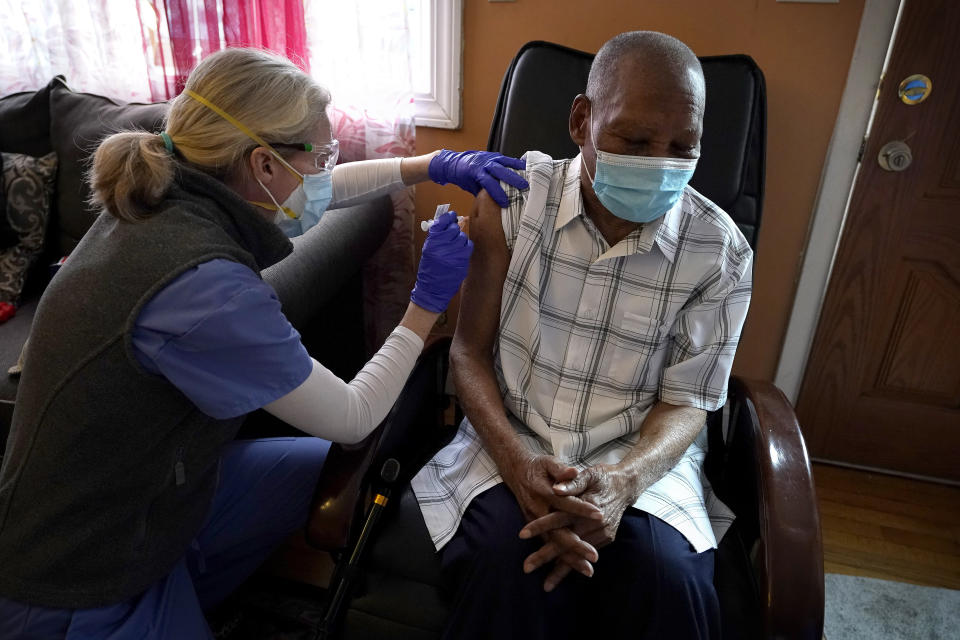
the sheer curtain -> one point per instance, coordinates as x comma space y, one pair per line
361, 51
96, 44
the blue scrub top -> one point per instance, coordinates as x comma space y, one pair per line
217, 333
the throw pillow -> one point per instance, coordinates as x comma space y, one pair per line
24, 128
8, 237
28, 184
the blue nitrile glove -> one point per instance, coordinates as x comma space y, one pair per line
443, 264
475, 170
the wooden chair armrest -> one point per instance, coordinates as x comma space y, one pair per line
790, 555
348, 470
339, 493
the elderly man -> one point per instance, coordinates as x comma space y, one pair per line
597, 327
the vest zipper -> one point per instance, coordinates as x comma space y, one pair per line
179, 471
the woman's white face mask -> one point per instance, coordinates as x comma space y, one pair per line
304, 207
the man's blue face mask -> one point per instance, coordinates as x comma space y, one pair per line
638, 188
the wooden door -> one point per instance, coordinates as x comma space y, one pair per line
882, 385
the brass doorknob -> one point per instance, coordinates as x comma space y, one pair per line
895, 156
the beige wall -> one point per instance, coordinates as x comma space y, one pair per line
804, 51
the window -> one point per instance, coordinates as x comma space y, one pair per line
374, 53
435, 44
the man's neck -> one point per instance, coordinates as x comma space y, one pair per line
612, 228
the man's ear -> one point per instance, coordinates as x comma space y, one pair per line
579, 119
262, 164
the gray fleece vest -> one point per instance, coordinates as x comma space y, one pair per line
109, 471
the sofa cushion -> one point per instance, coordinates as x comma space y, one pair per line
8, 237
28, 183
78, 123
25, 121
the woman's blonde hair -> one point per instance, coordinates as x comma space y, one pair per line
132, 170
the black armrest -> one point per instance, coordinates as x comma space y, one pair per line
410, 433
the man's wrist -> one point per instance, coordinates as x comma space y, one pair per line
511, 460
630, 480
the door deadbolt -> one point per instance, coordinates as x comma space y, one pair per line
895, 156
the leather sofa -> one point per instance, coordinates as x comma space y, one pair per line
319, 285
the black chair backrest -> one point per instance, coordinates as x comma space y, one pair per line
534, 107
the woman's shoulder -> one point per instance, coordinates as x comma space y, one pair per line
200, 291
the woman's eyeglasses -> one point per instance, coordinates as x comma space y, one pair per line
324, 155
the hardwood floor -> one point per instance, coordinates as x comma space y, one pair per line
889, 527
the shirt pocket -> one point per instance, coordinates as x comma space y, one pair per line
638, 342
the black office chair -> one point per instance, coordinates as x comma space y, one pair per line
769, 572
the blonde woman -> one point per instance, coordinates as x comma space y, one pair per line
126, 507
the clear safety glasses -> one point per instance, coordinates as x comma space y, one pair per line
324, 155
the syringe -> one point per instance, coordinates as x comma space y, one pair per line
441, 209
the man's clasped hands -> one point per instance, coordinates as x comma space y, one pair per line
574, 512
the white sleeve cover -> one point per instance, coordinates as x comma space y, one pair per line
327, 407
356, 182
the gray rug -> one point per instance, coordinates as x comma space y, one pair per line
883, 610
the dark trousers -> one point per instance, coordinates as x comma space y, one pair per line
648, 583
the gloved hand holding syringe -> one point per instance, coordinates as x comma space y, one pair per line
441, 209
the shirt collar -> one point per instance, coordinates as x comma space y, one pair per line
571, 200
664, 231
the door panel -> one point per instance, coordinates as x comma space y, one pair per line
882, 386
913, 367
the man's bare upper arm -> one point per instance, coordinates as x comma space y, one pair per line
471, 354
482, 289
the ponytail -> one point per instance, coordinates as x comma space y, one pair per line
131, 173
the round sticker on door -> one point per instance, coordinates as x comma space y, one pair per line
915, 89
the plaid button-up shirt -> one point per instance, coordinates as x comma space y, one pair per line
592, 336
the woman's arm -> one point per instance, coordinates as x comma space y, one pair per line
417, 168
356, 182
327, 407
218, 334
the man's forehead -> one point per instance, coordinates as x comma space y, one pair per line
641, 106
642, 76
637, 87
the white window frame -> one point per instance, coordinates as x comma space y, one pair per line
441, 106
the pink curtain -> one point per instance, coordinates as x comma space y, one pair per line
277, 25
389, 274
177, 34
